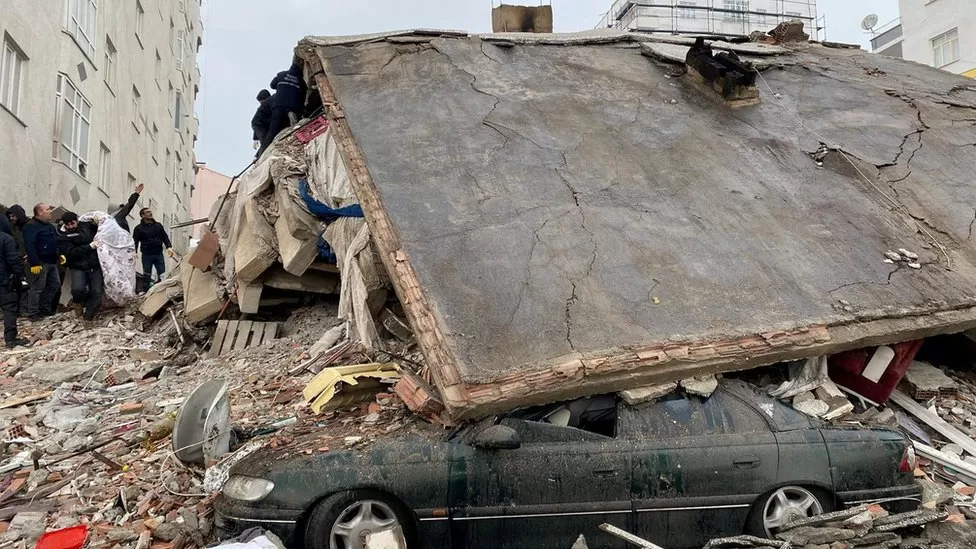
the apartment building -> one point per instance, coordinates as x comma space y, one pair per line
939, 33
96, 96
712, 17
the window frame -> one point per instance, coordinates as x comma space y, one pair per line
77, 158
947, 42
82, 31
687, 9
110, 64
738, 12
11, 98
104, 167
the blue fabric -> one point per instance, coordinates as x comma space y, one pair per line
325, 251
324, 212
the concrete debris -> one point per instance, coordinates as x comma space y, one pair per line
925, 382
702, 386
808, 535
650, 393
789, 32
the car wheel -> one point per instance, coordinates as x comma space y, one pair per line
349, 520
784, 505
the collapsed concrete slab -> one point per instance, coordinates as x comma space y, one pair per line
312, 281
572, 218
200, 294
255, 249
297, 230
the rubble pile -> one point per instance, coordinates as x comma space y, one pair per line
863, 527
88, 413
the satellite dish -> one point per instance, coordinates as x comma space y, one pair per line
869, 22
202, 429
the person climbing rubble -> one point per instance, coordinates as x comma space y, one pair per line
41, 242
11, 285
287, 103
261, 121
76, 243
116, 256
151, 235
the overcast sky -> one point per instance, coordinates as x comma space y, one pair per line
247, 41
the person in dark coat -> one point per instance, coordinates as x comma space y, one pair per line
261, 122
288, 102
18, 218
151, 235
76, 242
11, 284
122, 214
41, 241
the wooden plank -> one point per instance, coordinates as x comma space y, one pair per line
441, 359
257, 333
270, 332
218, 340
25, 400
243, 335
934, 421
231, 334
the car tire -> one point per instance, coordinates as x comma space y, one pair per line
790, 501
341, 520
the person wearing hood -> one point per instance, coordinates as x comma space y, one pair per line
122, 214
18, 218
11, 284
288, 101
41, 241
261, 122
76, 242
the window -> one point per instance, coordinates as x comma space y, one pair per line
159, 70
178, 109
168, 167
12, 66
172, 37
177, 169
736, 10
945, 48
111, 63
181, 5
179, 49
763, 19
686, 9
104, 167
681, 415
136, 107
140, 21
155, 144
74, 124
131, 180
81, 24
169, 97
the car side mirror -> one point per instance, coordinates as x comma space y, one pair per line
497, 437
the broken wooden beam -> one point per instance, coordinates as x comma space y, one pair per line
934, 421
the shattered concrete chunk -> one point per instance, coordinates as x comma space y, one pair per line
744, 542
915, 518
650, 393
812, 408
874, 539
57, 373
702, 386
935, 493
28, 525
825, 518
806, 535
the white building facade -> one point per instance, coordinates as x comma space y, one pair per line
96, 97
710, 17
939, 33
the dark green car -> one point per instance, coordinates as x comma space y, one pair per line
678, 472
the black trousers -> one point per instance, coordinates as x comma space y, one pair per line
87, 288
9, 304
279, 121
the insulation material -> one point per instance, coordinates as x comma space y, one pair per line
362, 273
117, 256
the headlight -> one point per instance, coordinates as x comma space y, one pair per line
247, 488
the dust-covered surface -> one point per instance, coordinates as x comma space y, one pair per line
561, 202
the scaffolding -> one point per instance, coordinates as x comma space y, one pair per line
711, 17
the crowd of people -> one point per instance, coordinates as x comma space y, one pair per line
94, 253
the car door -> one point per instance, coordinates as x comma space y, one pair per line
561, 483
698, 465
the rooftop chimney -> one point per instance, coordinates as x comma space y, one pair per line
509, 18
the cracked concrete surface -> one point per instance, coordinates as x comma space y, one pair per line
546, 194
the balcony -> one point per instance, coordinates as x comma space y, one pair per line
887, 39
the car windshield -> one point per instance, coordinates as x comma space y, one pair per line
783, 417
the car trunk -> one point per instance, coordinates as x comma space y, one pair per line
862, 459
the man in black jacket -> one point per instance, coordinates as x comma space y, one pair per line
151, 235
11, 284
288, 102
261, 122
18, 218
41, 241
122, 214
76, 242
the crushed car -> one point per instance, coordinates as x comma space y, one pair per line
678, 471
